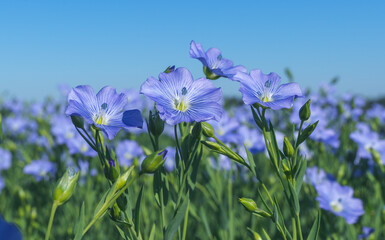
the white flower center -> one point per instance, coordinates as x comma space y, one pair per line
181, 102
336, 205
102, 118
128, 156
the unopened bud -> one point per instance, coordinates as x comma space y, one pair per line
207, 130
78, 121
155, 124
254, 235
288, 149
66, 186
122, 180
111, 168
249, 204
209, 74
304, 112
213, 146
170, 69
154, 161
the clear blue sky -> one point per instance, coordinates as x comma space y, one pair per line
121, 43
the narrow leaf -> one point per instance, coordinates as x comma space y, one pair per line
137, 211
79, 226
177, 219
313, 235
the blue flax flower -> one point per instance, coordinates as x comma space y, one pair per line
265, 90
214, 65
5, 159
127, 151
181, 99
106, 109
40, 169
339, 200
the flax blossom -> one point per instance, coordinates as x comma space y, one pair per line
181, 99
214, 65
105, 110
265, 90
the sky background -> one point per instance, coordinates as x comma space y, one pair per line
121, 43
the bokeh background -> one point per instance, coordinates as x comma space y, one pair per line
121, 43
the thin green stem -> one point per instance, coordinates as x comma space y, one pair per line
53, 210
103, 209
298, 221
186, 221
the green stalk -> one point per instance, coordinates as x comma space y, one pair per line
185, 221
105, 206
53, 210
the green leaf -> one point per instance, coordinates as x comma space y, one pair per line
192, 178
299, 174
265, 234
294, 198
205, 222
137, 211
152, 233
79, 226
313, 235
250, 159
101, 202
122, 233
177, 219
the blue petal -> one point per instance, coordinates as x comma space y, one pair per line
133, 118
197, 52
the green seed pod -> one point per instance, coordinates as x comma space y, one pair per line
207, 130
78, 121
154, 161
249, 204
66, 186
288, 149
209, 74
304, 112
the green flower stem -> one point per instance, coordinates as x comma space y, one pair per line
105, 206
53, 210
186, 221
299, 227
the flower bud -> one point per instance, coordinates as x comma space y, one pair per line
65, 187
155, 124
121, 181
170, 69
207, 130
154, 161
249, 204
306, 133
111, 168
78, 121
209, 74
116, 214
254, 235
304, 112
288, 149
213, 146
